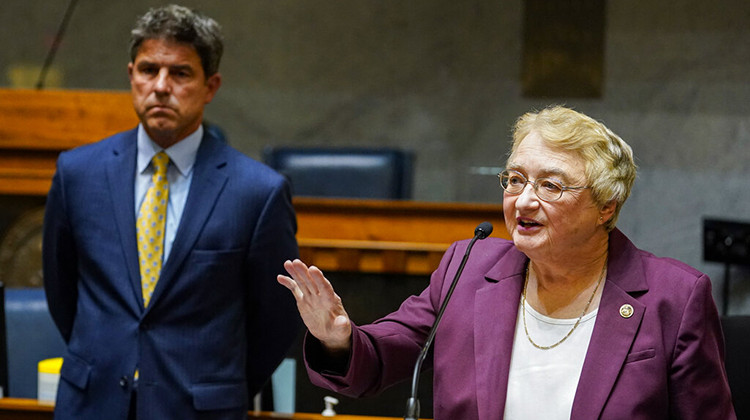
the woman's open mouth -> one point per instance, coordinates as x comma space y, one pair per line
527, 223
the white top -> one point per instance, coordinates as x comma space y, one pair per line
542, 383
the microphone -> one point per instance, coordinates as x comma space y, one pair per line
482, 231
55, 44
412, 404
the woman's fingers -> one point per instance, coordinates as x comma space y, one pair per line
290, 284
309, 286
318, 304
319, 283
300, 272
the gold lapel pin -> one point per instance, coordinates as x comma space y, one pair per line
626, 311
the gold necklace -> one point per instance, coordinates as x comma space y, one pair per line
578, 321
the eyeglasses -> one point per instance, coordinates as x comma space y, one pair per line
546, 189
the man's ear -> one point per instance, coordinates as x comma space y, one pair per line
213, 83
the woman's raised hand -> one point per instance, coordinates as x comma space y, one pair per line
319, 306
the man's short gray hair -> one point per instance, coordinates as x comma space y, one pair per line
183, 25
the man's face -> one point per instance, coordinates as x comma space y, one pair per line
170, 89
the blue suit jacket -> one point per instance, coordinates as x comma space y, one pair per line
664, 361
218, 323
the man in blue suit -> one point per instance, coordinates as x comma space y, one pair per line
179, 317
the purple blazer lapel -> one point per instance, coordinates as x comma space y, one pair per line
610, 343
495, 316
121, 178
614, 330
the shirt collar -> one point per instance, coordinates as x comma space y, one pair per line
181, 154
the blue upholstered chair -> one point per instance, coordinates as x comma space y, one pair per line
378, 173
283, 383
31, 336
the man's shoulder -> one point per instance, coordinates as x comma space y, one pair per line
244, 167
112, 142
93, 153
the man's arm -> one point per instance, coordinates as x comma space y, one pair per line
273, 322
59, 259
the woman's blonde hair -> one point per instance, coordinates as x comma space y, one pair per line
609, 165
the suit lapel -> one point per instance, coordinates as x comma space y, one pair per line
207, 183
610, 343
614, 332
495, 315
122, 193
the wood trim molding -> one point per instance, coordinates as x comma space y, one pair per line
31, 409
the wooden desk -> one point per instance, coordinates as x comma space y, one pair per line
29, 409
24, 409
373, 236
369, 236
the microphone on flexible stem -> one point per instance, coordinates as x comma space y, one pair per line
55, 44
412, 404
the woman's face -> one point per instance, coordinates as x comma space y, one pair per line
551, 230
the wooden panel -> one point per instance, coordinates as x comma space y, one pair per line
24, 409
563, 48
388, 236
59, 120
36, 125
24, 172
393, 221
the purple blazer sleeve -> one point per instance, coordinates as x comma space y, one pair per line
698, 384
385, 351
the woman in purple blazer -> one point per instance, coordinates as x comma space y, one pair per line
568, 321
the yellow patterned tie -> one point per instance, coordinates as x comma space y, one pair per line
150, 226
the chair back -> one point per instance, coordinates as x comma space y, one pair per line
737, 344
377, 173
31, 338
